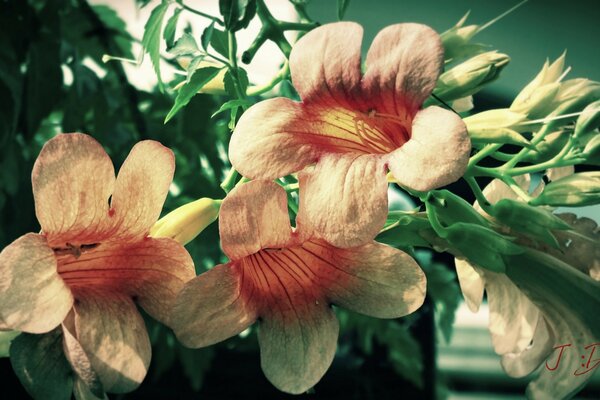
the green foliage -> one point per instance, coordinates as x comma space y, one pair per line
199, 78
342, 6
171, 27
237, 14
41, 366
151, 39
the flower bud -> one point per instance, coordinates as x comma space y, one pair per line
591, 152
482, 246
185, 223
576, 190
532, 221
456, 40
470, 76
589, 120
496, 126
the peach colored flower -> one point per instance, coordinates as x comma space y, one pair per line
93, 259
356, 126
287, 280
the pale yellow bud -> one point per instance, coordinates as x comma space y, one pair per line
186, 222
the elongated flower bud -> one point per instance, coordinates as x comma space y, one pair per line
576, 190
496, 126
470, 76
185, 223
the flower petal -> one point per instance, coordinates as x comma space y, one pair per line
403, 64
373, 279
437, 153
211, 308
343, 199
113, 335
513, 317
523, 363
254, 216
33, 297
141, 188
297, 341
72, 180
325, 63
152, 270
471, 283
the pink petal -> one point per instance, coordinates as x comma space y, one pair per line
141, 188
403, 64
437, 153
254, 216
152, 270
373, 279
471, 282
211, 308
325, 64
72, 180
113, 335
33, 297
344, 199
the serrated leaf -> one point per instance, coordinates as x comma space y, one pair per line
207, 36
185, 46
200, 78
342, 6
219, 41
40, 365
237, 14
170, 28
242, 79
151, 38
232, 104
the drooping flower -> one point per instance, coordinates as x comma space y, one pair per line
355, 127
287, 279
528, 322
93, 260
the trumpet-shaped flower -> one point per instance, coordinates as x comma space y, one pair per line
93, 261
356, 127
287, 280
527, 320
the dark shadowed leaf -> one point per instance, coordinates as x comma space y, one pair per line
171, 27
200, 78
151, 39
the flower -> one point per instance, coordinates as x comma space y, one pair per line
355, 127
93, 259
527, 318
287, 280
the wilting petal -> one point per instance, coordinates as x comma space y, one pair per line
344, 199
525, 362
80, 362
252, 217
471, 284
211, 308
437, 153
152, 270
373, 279
325, 64
403, 65
297, 340
113, 335
33, 297
141, 188
513, 317
72, 180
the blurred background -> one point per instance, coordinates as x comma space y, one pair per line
52, 79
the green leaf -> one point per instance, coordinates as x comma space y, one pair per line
207, 36
445, 293
242, 80
170, 28
200, 78
219, 41
40, 365
342, 5
151, 39
5, 340
185, 46
232, 104
237, 14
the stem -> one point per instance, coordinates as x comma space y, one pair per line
281, 75
516, 188
229, 181
481, 199
296, 26
202, 14
232, 53
483, 153
435, 222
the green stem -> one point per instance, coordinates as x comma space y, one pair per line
435, 222
202, 14
537, 138
516, 188
281, 75
481, 199
483, 153
229, 181
296, 26
232, 53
